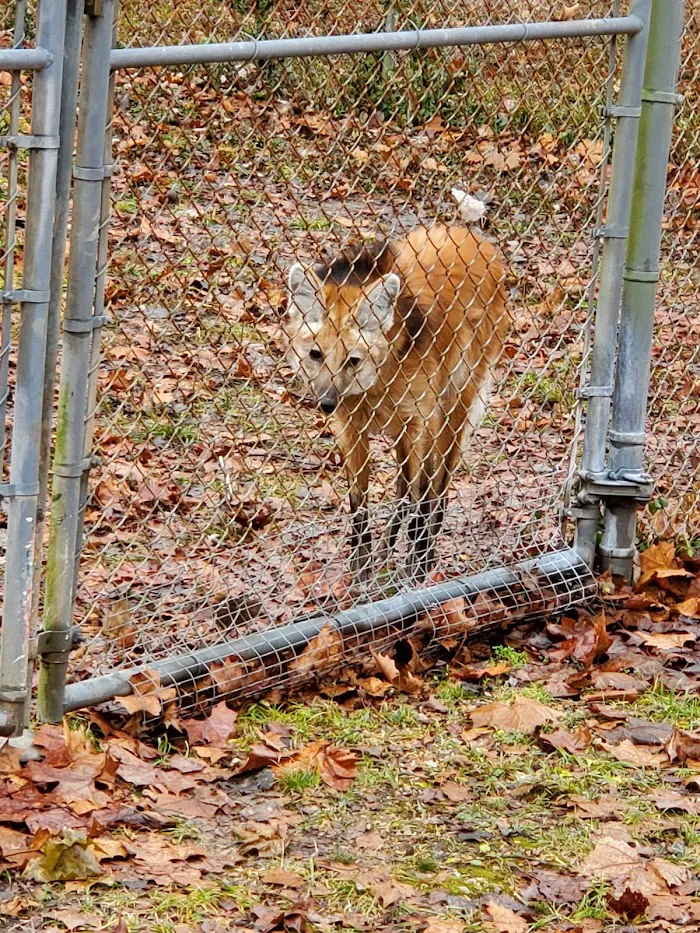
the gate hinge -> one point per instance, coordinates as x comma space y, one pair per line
624, 484
94, 7
56, 643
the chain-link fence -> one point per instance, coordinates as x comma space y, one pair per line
210, 546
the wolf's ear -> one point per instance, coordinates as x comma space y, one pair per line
304, 286
376, 312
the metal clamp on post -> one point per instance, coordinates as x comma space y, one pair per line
594, 392
19, 490
27, 296
81, 173
28, 141
617, 111
611, 233
77, 326
624, 484
626, 439
53, 646
72, 470
662, 97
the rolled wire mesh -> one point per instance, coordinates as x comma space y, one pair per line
673, 432
217, 502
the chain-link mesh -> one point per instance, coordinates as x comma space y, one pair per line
673, 451
217, 504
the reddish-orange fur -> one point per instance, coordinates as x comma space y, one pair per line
431, 363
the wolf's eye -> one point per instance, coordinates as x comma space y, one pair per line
315, 354
353, 362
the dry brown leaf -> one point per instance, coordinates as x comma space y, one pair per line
505, 920
218, 727
683, 745
666, 641
457, 793
283, 878
689, 607
658, 557
523, 715
148, 695
444, 926
610, 858
572, 742
644, 756
323, 651
337, 767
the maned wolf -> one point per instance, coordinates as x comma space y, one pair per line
401, 338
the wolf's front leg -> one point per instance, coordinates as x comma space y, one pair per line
354, 445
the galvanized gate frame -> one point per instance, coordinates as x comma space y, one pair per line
613, 482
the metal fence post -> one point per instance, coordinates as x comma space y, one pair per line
640, 281
69, 100
614, 234
23, 489
78, 325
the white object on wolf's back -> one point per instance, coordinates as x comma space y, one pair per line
471, 209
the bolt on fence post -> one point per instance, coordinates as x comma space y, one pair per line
640, 280
69, 100
78, 324
23, 489
614, 234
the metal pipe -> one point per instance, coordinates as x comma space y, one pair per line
562, 578
69, 101
78, 324
95, 348
29, 59
24, 465
10, 233
303, 47
641, 277
614, 234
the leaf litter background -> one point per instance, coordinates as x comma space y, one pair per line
550, 784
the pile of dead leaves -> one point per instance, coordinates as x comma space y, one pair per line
62, 795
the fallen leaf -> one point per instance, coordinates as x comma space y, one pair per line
283, 878
444, 926
683, 745
523, 715
323, 651
640, 755
505, 920
148, 695
457, 793
572, 742
218, 727
689, 607
666, 641
64, 858
337, 767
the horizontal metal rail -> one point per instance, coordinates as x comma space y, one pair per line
559, 579
24, 59
303, 47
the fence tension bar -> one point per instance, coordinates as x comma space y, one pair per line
596, 482
641, 277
